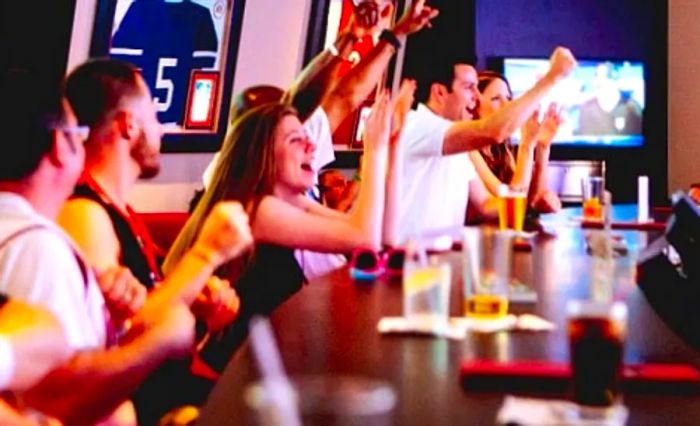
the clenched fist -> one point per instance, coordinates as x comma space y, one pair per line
217, 305
123, 293
561, 63
225, 233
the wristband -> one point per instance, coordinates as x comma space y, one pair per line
390, 38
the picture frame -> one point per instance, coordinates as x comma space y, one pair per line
204, 41
325, 19
201, 106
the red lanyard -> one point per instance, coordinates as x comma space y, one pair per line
138, 228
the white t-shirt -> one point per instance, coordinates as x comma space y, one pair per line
40, 267
317, 127
435, 187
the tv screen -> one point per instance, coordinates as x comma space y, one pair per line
602, 101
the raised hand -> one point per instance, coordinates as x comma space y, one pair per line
225, 233
530, 129
217, 305
378, 124
561, 64
553, 118
123, 293
369, 18
415, 19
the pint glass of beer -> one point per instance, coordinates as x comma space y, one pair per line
596, 341
512, 205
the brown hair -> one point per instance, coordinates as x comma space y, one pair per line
245, 172
97, 87
499, 157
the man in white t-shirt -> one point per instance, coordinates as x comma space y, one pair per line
439, 180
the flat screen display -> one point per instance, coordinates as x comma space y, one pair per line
602, 101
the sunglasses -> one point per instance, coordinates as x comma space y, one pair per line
367, 264
79, 132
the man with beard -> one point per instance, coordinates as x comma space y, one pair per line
112, 98
124, 144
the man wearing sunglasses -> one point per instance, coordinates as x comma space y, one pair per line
439, 180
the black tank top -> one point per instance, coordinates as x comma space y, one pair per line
132, 253
272, 277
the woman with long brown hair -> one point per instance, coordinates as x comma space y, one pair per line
497, 164
266, 166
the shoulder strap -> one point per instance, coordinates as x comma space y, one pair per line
19, 232
35, 226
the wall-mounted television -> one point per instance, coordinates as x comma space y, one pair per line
602, 100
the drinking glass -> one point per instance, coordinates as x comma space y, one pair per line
512, 205
426, 287
486, 262
593, 188
327, 400
596, 344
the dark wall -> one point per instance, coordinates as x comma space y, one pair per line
594, 28
635, 29
451, 38
36, 36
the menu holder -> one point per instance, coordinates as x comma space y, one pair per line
543, 377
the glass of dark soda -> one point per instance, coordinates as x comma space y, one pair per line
596, 345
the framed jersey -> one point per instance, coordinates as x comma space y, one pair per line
186, 52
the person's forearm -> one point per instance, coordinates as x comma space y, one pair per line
356, 85
317, 79
393, 195
504, 122
92, 385
184, 283
539, 176
368, 215
522, 176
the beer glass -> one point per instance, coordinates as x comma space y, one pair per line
512, 205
